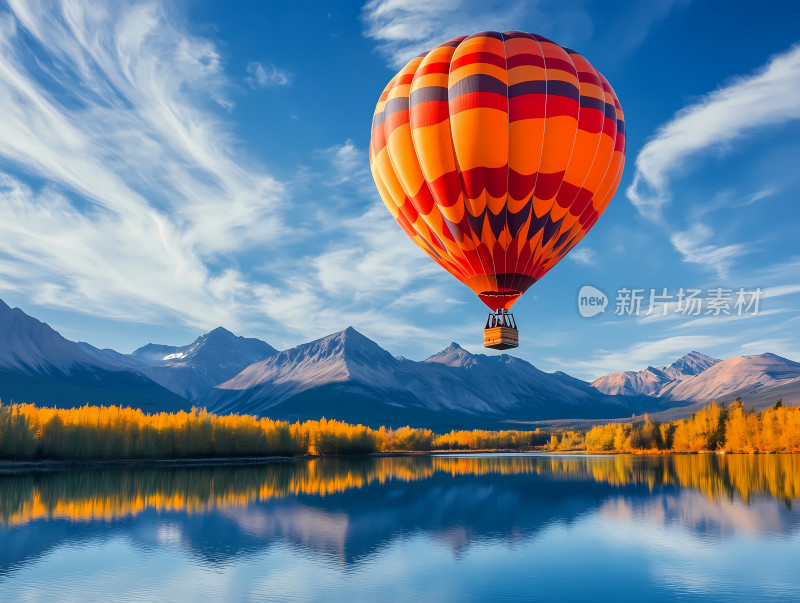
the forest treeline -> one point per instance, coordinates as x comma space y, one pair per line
112, 432
28, 432
714, 428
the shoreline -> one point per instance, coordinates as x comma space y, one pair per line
62, 465
46, 465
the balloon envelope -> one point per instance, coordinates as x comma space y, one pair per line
496, 153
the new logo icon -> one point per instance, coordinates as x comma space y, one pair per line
591, 301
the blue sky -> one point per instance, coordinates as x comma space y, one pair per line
168, 168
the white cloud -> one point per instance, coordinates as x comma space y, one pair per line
583, 255
357, 267
768, 97
764, 193
118, 266
787, 348
406, 28
374, 257
433, 299
693, 245
781, 290
726, 199
265, 76
715, 321
347, 164
776, 273
146, 196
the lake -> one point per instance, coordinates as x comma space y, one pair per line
410, 528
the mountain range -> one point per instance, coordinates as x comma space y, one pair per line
192, 370
350, 377
39, 365
655, 381
759, 380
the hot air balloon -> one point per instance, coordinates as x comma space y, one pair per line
496, 153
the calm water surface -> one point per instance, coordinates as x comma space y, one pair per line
431, 528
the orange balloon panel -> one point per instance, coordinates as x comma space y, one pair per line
496, 153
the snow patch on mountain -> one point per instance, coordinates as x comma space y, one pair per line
193, 370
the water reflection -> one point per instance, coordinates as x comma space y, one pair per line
105, 495
346, 512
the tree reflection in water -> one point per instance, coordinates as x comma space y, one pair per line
108, 494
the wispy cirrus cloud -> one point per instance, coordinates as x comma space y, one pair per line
405, 28
260, 75
782, 346
781, 290
695, 247
129, 197
347, 165
583, 255
367, 272
715, 321
765, 98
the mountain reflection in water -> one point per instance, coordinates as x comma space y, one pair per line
345, 511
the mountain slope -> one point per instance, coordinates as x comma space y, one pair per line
690, 365
33, 347
38, 365
504, 385
753, 378
338, 358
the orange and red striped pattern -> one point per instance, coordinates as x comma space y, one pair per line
496, 153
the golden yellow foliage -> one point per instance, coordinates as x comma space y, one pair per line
112, 432
713, 428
